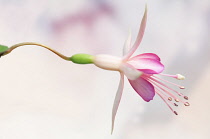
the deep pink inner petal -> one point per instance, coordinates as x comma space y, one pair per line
144, 88
147, 65
146, 55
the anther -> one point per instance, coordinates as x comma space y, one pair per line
170, 99
177, 100
182, 87
175, 104
187, 104
175, 113
185, 97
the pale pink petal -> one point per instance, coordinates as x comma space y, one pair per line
127, 45
140, 35
146, 55
144, 88
147, 65
130, 72
117, 99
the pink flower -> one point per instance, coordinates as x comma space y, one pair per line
141, 71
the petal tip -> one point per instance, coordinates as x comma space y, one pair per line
148, 100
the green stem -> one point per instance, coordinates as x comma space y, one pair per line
37, 44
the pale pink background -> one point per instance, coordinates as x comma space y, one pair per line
44, 97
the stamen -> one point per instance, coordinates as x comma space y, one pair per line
187, 104
154, 82
175, 113
170, 99
161, 92
164, 95
166, 103
185, 97
165, 86
181, 87
175, 104
177, 100
170, 94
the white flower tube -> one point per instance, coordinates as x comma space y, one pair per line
107, 62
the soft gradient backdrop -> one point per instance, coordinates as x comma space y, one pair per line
44, 97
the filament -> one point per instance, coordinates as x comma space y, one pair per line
167, 104
181, 87
166, 86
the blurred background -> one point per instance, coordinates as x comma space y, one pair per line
43, 96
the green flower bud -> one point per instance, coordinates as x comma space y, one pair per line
3, 49
82, 59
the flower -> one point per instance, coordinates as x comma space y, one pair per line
141, 71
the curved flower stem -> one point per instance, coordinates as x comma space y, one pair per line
37, 44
